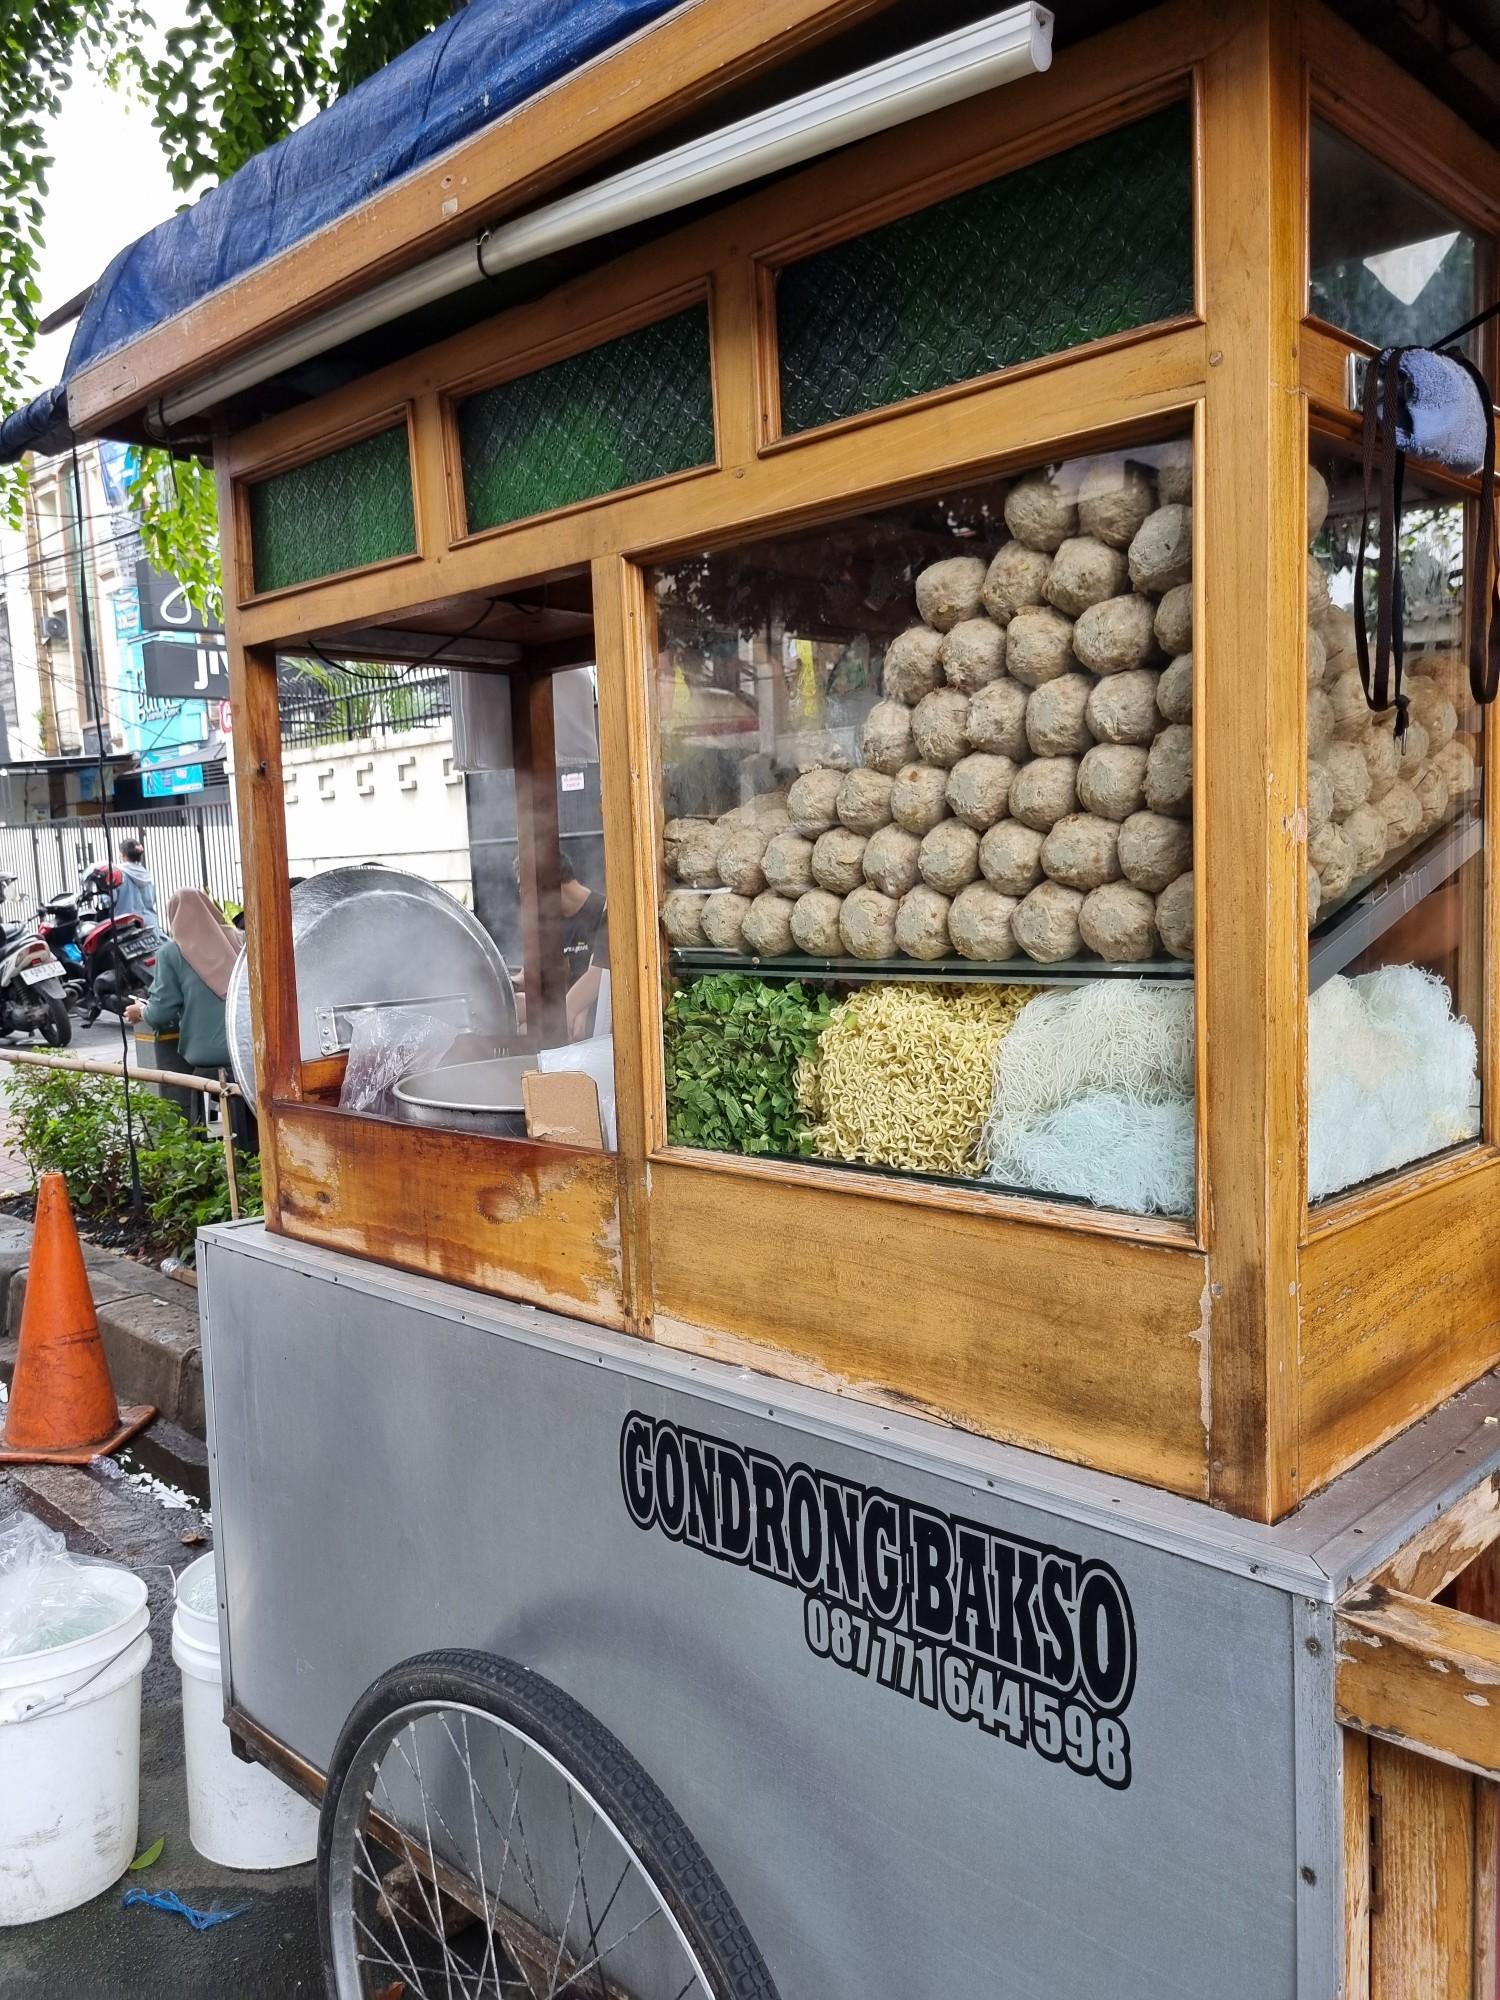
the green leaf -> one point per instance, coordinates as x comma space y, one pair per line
151, 1855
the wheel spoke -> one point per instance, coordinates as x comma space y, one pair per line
435, 1915
373, 1879
579, 1971
489, 1920
562, 1929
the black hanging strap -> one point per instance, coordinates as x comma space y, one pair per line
1381, 678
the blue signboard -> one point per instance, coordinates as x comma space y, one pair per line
166, 780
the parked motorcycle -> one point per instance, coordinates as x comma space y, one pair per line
31, 993
119, 952
58, 924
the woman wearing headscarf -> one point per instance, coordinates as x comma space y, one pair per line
193, 966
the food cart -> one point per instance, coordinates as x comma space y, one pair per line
965, 1458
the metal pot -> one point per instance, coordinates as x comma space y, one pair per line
468, 1097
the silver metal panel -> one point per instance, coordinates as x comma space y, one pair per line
399, 1465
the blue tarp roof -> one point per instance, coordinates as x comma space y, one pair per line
490, 57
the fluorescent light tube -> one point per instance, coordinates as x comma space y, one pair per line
963, 64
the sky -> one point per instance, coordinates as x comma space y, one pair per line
108, 186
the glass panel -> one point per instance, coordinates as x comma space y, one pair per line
340, 512
1385, 261
445, 839
635, 409
928, 837
1395, 851
1087, 243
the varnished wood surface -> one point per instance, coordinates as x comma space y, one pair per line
1092, 1350
1457, 1545
1249, 841
1399, 1309
527, 1221
1421, 1934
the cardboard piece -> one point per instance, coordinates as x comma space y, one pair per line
562, 1106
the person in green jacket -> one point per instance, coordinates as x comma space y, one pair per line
193, 966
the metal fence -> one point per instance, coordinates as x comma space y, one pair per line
374, 707
188, 846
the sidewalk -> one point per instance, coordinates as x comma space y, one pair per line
103, 1951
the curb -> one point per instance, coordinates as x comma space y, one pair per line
149, 1325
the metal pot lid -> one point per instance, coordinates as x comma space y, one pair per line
371, 936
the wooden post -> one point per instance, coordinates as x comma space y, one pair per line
1250, 832
539, 859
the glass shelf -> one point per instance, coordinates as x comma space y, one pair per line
1377, 902
950, 971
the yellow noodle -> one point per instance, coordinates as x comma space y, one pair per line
904, 1075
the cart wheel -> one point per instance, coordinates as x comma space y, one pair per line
483, 1834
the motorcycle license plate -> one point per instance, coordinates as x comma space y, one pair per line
35, 974
139, 947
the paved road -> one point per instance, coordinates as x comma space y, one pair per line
104, 1952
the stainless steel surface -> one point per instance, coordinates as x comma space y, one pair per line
336, 1023
468, 1097
462, 1460
369, 935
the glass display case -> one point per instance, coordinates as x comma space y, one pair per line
928, 848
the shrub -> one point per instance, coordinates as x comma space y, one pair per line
74, 1124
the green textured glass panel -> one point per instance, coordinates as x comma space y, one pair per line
335, 513
1087, 243
634, 409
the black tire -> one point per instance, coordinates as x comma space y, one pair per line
57, 1024
669, 1856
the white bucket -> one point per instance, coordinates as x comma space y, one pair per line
239, 1814
70, 1760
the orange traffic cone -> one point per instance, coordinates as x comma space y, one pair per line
62, 1402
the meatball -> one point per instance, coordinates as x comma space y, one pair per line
1174, 691
949, 859
1082, 851
1169, 771
1154, 850
1045, 924
1122, 707
949, 591
1330, 853
973, 654
740, 855
922, 924
1173, 623
1017, 577
724, 917
1045, 791
1112, 780
812, 803
1042, 509
886, 741
979, 788
997, 720
1349, 775
979, 923
1114, 498
1119, 922
864, 801
1115, 635
1084, 571
1056, 722
913, 665
815, 923
1161, 554
867, 924
682, 917
890, 860
1039, 646
939, 726
767, 929
1174, 917
838, 860
1010, 857
787, 864
919, 797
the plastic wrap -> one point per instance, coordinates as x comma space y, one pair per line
47, 1597
386, 1044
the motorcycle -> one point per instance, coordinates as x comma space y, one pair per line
119, 952
58, 923
31, 993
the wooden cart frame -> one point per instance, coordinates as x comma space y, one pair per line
1247, 1357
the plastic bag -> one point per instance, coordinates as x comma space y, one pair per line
386, 1044
596, 1058
47, 1597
